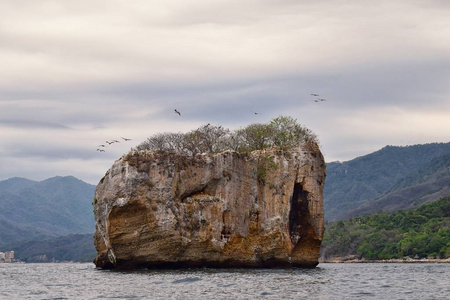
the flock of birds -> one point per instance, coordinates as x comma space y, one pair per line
101, 147
317, 98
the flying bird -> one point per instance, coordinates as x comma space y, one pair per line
177, 112
125, 139
102, 146
255, 112
100, 150
109, 143
322, 99
315, 95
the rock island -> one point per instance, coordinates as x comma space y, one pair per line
184, 200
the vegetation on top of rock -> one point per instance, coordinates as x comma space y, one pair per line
417, 233
283, 132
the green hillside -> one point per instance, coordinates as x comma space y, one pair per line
421, 232
389, 179
75, 247
11, 233
53, 207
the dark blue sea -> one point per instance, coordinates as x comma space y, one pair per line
327, 281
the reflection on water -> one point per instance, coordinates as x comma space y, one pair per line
327, 281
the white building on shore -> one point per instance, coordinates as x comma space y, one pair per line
7, 257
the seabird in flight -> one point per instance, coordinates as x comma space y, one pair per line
177, 112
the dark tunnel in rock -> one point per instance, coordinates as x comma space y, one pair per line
299, 214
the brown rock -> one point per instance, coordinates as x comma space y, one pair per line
160, 210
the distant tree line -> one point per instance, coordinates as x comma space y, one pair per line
283, 132
74, 247
418, 233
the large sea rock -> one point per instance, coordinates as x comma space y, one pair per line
166, 210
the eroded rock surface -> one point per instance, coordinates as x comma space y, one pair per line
160, 210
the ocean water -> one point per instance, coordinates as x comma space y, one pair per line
327, 281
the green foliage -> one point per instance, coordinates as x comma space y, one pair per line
254, 137
283, 132
287, 133
261, 174
422, 232
265, 164
103, 178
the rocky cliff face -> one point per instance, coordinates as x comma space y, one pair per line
160, 210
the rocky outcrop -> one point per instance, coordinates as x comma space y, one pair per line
161, 210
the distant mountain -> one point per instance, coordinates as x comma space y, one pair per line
50, 208
389, 179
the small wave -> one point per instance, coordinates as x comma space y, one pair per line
187, 280
226, 285
364, 294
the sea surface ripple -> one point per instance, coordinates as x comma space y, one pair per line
327, 281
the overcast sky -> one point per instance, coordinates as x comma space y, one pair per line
77, 73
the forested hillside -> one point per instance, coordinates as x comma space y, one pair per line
31, 210
389, 179
74, 247
417, 233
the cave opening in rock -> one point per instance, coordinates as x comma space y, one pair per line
299, 214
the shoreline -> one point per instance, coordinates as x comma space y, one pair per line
394, 260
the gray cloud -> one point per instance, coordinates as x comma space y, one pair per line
31, 124
78, 73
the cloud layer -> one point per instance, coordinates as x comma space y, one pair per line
78, 73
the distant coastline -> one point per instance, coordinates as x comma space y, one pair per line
394, 260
